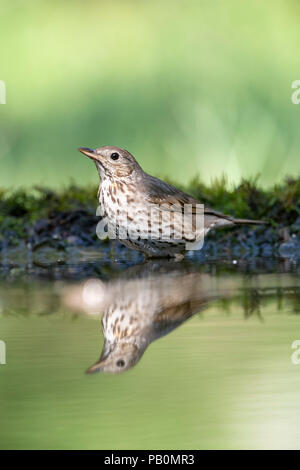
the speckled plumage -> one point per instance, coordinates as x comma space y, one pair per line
139, 311
130, 198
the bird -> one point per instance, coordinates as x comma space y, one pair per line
145, 303
140, 311
148, 214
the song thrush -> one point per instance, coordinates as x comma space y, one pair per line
128, 195
149, 301
143, 310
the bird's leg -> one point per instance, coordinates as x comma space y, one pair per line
177, 257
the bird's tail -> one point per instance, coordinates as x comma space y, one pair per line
249, 221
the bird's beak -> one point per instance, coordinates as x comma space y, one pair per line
97, 367
89, 153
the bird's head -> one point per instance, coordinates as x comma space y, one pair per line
117, 357
113, 162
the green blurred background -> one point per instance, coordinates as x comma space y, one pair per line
198, 87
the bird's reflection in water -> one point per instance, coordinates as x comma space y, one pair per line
136, 311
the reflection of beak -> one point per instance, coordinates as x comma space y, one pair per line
97, 367
90, 153
94, 368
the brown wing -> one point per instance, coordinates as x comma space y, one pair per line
161, 193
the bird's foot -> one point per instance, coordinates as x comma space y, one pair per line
177, 257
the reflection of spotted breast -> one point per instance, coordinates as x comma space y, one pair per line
143, 311
123, 319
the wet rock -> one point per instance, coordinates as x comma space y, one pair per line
74, 240
41, 225
289, 249
296, 224
267, 249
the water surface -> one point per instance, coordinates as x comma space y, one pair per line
216, 368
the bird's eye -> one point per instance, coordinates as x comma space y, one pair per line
120, 363
114, 156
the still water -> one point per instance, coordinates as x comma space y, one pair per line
179, 355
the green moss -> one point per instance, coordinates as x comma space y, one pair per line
279, 205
